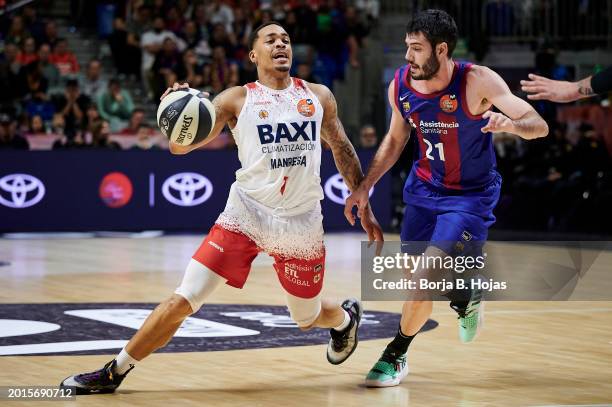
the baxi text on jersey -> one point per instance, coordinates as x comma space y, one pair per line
289, 132
287, 162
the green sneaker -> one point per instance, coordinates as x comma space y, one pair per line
389, 371
471, 316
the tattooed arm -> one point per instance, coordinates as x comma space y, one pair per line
541, 88
333, 133
585, 89
345, 156
227, 107
563, 91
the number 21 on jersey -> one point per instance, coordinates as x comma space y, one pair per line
430, 147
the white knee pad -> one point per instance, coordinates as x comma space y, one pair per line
304, 311
198, 283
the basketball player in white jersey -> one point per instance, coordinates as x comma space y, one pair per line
274, 207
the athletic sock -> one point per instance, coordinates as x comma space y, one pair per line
345, 323
124, 362
400, 343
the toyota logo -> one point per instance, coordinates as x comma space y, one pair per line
337, 191
187, 189
23, 190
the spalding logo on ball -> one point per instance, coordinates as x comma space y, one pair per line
185, 116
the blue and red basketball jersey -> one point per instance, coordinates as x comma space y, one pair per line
453, 155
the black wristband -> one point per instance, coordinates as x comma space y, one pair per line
602, 81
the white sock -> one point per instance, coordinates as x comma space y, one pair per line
345, 323
124, 362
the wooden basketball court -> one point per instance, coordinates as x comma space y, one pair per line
529, 354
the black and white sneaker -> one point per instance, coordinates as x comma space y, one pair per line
343, 343
98, 382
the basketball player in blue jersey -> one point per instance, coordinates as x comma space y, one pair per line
453, 185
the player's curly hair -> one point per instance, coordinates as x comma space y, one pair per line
437, 26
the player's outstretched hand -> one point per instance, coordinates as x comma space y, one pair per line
541, 88
497, 123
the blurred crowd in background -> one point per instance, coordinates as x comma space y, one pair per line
52, 100
48, 91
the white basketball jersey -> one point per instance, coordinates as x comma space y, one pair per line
278, 134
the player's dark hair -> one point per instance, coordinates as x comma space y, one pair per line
437, 26
255, 33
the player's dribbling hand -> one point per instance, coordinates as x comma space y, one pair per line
177, 86
497, 123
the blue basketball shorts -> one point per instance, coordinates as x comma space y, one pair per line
444, 219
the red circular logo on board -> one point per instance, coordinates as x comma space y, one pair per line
448, 103
116, 190
306, 107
